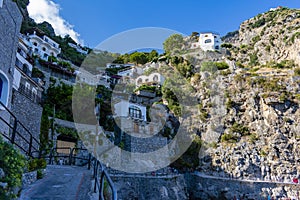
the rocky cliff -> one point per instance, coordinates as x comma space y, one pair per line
268, 37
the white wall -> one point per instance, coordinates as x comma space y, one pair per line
1, 3
121, 109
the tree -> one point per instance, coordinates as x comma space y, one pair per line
173, 42
138, 58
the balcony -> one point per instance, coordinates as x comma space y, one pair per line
34, 97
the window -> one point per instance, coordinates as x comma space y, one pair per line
217, 47
4, 88
207, 41
44, 49
35, 44
215, 36
1, 86
135, 112
155, 78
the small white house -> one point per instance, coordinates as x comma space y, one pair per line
154, 78
126, 109
78, 48
43, 46
208, 42
116, 65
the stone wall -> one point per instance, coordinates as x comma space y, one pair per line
10, 23
150, 188
200, 187
29, 114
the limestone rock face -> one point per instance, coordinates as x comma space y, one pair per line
272, 36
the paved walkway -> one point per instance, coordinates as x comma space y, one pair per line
60, 183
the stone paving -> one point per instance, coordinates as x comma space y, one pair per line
60, 183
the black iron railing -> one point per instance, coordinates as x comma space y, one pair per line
25, 141
18, 134
101, 177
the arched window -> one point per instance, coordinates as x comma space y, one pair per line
155, 78
44, 49
35, 44
135, 112
140, 81
4, 88
207, 41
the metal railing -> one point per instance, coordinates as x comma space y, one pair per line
18, 134
101, 177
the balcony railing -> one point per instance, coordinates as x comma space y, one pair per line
29, 94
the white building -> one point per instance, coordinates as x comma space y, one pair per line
43, 46
208, 42
78, 48
126, 109
154, 78
116, 65
23, 59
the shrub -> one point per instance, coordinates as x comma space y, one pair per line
229, 138
297, 71
36, 164
256, 39
222, 65
208, 67
226, 45
238, 128
12, 162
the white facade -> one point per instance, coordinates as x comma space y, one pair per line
78, 48
208, 42
127, 109
115, 65
152, 78
22, 55
43, 47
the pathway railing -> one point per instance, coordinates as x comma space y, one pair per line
18, 134
26, 142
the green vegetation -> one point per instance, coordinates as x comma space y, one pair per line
285, 64
294, 37
172, 100
221, 65
174, 42
255, 39
238, 128
13, 163
36, 73
226, 45
230, 138
35, 164
297, 71
253, 59
190, 159
208, 67
65, 131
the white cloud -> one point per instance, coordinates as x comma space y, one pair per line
47, 10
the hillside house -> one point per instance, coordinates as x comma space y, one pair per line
208, 41
43, 46
152, 79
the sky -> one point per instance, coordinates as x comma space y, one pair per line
92, 22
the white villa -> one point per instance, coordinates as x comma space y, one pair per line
126, 109
116, 65
154, 78
43, 46
78, 48
208, 42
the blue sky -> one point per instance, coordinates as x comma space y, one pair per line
97, 20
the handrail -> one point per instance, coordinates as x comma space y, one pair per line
100, 174
99, 171
14, 129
